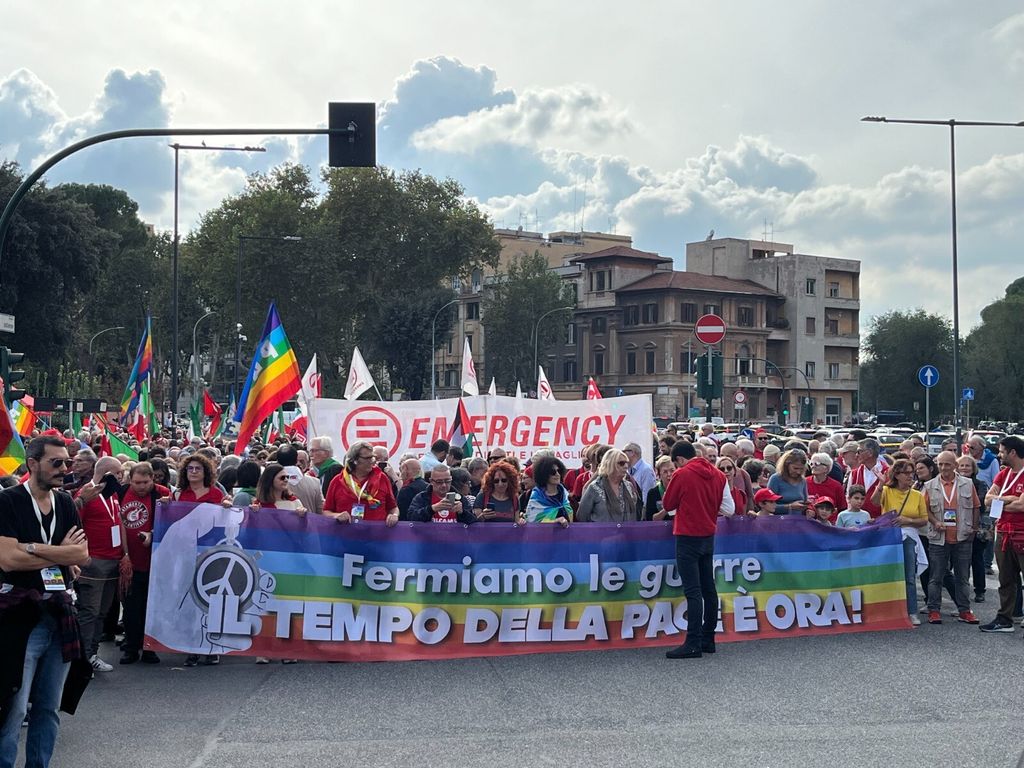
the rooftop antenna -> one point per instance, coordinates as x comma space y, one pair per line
575, 182
583, 210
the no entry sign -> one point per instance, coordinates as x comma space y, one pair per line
709, 329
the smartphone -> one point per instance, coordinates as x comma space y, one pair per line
451, 498
110, 485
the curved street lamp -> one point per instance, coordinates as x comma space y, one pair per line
195, 356
536, 332
433, 347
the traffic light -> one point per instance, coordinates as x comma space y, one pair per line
355, 145
7, 359
709, 390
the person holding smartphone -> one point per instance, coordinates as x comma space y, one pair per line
439, 503
498, 499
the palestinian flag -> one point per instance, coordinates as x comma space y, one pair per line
461, 436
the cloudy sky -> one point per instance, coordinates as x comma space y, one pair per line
662, 120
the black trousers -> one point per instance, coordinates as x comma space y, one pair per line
135, 612
694, 556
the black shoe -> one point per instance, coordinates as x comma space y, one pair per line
191, 660
980, 597
148, 657
707, 647
129, 657
211, 661
683, 652
996, 626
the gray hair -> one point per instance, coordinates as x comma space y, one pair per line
354, 449
322, 441
871, 445
230, 461
823, 458
746, 447
827, 446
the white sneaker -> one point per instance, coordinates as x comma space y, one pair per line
99, 664
914, 621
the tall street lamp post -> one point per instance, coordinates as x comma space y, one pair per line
433, 348
174, 258
957, 401
536, 332
99, 333
195, 356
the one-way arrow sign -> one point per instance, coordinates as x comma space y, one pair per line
928, 376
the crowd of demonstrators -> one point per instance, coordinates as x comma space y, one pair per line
73, 520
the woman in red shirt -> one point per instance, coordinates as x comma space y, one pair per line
196, 476
820, 484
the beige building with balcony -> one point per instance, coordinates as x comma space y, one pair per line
793, 325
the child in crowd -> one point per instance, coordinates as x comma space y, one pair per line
854, 516
823, 511
764, 503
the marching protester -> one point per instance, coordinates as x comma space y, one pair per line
321, 456
870, 472
821, 483
498, 499
954, 512
898, 496
639, 470
305, 488
610, 497
274, 490
41, 541
138, 509
361, 491
198, 481
439, 503
1005, 501
549, 501
966, 466
412, 483
696, 495
654, 509
789, 483
728, 467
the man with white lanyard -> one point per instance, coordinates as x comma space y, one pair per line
40, 540
1005, 501
101, 520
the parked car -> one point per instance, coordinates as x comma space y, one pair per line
936, 439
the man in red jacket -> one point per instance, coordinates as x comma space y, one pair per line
696, 494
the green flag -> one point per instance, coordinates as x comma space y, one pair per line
117, 445
76, 422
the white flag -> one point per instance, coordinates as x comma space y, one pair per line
469, 385
543, 388
519, 391
312, 385
493, 389
359, 378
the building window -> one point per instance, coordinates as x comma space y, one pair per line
569, 370
456, 283
599, 326
833, 290
477, 280
650, 313
631, 315
743, 362
631, 362
712, 309
451, 342
598, 363
809, 369
832, 328
833, 406
649, 361
449, 377
688, 312
601, 280
745, 317
686, 361
809, 286
811, 326
570, 334
469, 340
473, 310
833, 370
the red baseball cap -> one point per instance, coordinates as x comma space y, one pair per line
760, 431
822, 500
766, 494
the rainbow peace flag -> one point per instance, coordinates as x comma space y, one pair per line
140, 373
12, 450
273, 378
23, 415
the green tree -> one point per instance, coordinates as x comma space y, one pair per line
897, 345
993, 363
514, 303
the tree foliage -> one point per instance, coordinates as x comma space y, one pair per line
993, 361
898, 344
514, 303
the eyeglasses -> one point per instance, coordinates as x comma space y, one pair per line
818, 464
61, 463
365, 457
193, 468
445, 481
500, 480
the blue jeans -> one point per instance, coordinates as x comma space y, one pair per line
44, 675
694, 557
910, 574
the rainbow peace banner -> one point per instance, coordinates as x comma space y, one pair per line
274, 583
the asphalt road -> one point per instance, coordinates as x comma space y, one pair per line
935, 696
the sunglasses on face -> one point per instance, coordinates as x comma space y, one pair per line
61, 463
500, 480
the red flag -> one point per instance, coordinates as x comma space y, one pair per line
297, 429
593, 393
138, 427
214, 411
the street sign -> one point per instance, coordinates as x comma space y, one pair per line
928, 376
968, 393
739, 397
709, 329
6, 323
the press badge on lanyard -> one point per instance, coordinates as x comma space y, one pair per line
53, 578
115, 528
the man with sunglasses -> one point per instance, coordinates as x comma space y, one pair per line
40, 539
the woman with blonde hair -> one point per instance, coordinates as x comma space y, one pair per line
611, 497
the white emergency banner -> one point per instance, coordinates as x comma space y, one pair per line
519, 426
